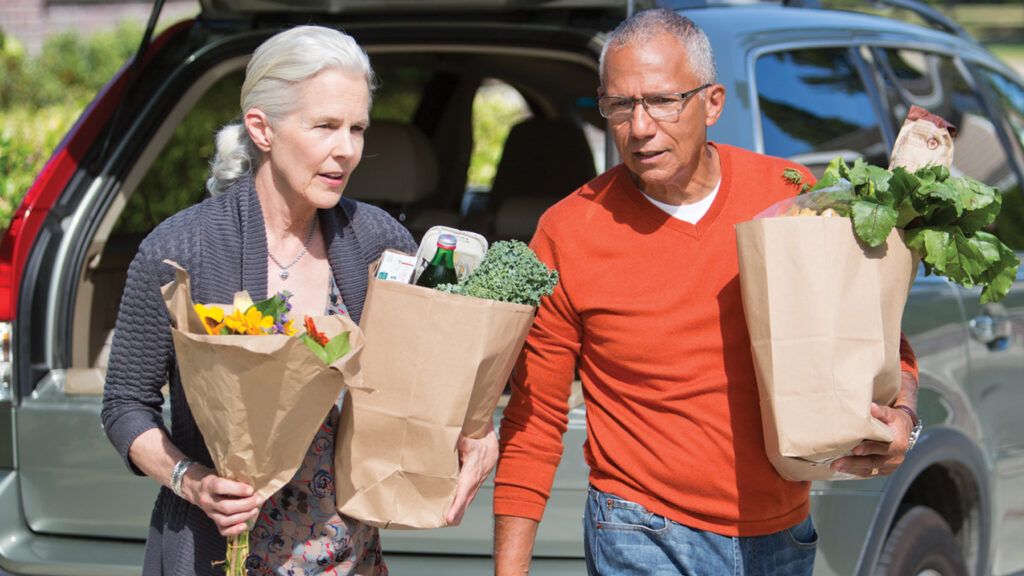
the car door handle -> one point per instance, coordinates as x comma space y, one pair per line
991, 329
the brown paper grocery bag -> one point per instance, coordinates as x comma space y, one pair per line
437, 364
258, 400
823, 312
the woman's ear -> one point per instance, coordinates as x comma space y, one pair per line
258, 126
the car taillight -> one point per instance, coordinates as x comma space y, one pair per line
5, 361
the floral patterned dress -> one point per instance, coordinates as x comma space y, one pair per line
299, 532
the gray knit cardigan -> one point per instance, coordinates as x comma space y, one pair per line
222, 243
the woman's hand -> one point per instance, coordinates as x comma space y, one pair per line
477, 458
228, 503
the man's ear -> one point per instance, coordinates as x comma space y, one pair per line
714, 102
258, 126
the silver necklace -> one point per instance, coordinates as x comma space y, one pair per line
305, 246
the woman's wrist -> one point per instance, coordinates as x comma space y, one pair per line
192, 482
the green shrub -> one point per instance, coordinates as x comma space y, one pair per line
41, 97
27, 138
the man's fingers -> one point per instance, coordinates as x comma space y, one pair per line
464, 492
870, 448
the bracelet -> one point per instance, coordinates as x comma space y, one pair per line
178, 474
914, 420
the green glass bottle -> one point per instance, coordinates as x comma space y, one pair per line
441, 269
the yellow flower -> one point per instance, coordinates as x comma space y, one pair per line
252, 322
289, 330
212, 318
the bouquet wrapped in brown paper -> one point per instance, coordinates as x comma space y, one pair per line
437, 363
258, 399
823, 295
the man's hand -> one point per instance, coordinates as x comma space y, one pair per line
870, 458
477, 458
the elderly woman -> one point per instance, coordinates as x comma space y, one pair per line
277, 221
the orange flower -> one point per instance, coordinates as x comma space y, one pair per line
315, 334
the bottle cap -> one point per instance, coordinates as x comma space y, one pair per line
446, 241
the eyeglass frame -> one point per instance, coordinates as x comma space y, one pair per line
683, 97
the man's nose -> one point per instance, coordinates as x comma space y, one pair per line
641, 125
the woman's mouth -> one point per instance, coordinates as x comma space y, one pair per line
332, 178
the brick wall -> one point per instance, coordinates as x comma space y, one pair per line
31, 21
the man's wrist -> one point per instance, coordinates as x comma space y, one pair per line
915, 424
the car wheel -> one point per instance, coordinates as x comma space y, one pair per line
921, 544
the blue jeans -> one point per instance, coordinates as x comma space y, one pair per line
622, 537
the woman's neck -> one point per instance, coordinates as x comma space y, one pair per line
284, 214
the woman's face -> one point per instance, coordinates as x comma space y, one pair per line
312, 152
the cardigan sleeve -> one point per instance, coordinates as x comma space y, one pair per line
140, 356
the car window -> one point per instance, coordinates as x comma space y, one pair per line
496, 108
935, 82
177, 178
1009, 97
814, 106
398, 94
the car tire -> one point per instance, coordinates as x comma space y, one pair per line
921, 544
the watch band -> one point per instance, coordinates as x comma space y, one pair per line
913, 415
915, 432
178, 474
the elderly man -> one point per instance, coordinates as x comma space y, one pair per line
648, 310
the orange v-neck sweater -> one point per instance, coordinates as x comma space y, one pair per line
648, 308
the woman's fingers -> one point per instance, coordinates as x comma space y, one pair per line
230, 523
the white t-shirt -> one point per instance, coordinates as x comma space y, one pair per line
691, 213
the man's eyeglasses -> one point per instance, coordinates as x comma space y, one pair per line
667, 106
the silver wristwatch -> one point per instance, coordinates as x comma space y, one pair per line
915, 432
178, 474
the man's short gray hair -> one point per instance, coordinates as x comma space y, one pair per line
647, 24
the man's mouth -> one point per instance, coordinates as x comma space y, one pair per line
647, 155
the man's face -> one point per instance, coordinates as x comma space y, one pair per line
661, 154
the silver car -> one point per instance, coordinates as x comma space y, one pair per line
803, 83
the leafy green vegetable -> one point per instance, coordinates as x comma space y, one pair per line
943, 216
510, 272
328, 353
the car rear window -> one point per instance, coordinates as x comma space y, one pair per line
1009, 96
814, 106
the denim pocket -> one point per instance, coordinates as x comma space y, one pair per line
803, 536
613, 513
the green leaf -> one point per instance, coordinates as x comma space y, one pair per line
872, 221
1003, 275
315, 347
275, 306
936, 247
963, 260
337, 347
981, 205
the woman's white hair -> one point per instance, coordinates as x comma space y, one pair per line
643, 26
277, 67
